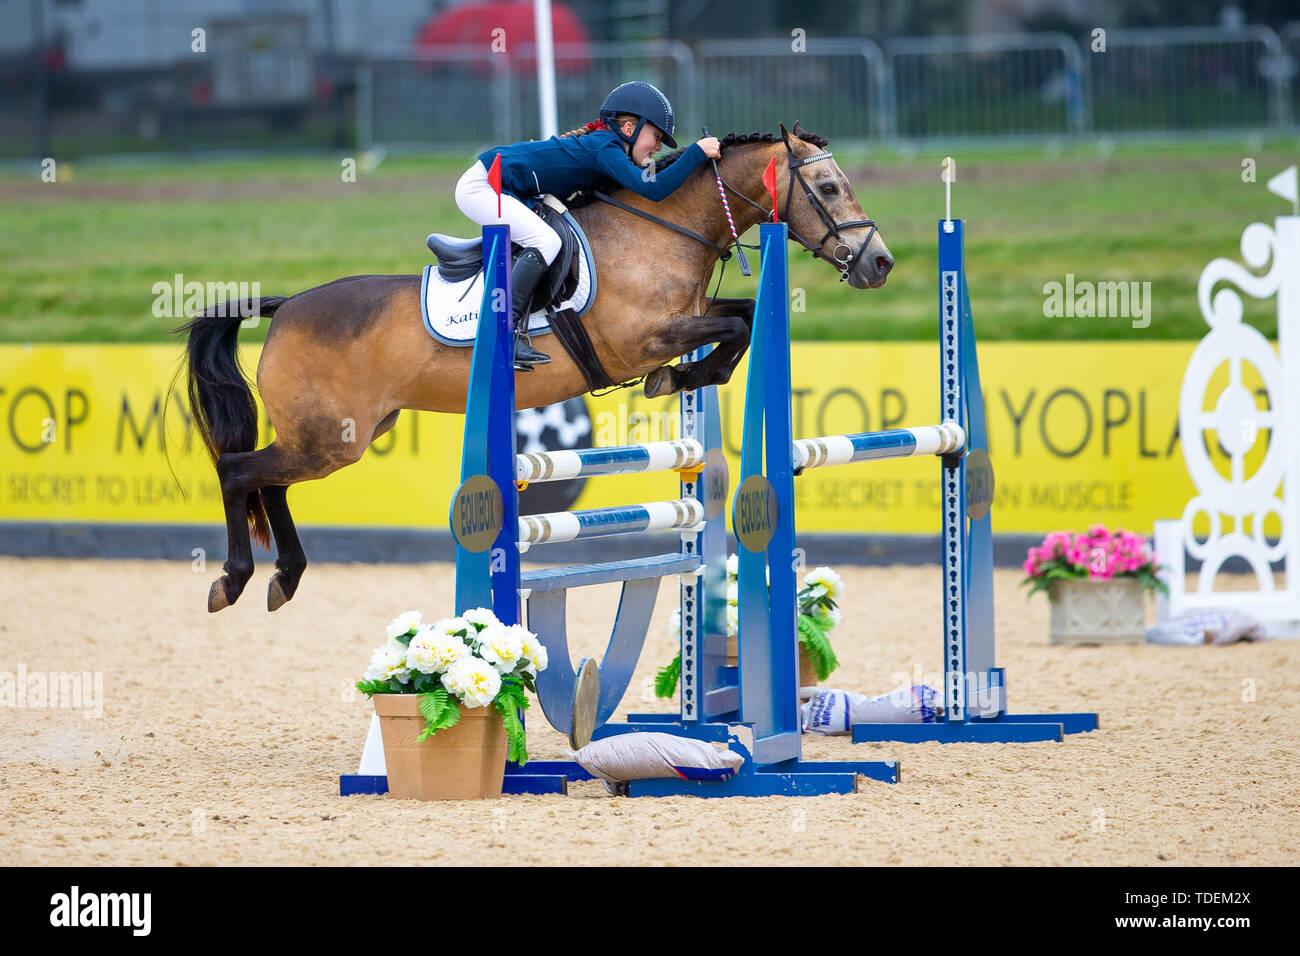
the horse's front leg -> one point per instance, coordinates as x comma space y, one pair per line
743, 309
730, 332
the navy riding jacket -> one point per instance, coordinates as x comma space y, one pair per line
563, 165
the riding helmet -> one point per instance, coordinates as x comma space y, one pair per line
641, 100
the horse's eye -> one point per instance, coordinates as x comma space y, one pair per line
829, 189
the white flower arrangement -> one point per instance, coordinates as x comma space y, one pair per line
535, 656
404, 623
472, 660
387, 663
818, 615
827, 581
473, 680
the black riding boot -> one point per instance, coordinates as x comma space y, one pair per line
524, 277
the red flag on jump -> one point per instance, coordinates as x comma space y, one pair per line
494, 180
769, 180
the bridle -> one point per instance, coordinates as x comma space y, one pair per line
844, 262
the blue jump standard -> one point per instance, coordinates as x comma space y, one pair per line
970, 674
768, 735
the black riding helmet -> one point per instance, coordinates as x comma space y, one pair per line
641, 100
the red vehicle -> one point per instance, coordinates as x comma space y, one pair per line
504, 28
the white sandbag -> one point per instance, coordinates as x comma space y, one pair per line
648, 756
830, 711
1208, 627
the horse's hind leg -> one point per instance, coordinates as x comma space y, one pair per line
290, 559
240, 475
270, 471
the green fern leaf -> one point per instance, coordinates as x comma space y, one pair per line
514, 694
818, 646
439, 711
432, 705
666, 679
517, 744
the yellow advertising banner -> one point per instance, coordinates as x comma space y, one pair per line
1078, 433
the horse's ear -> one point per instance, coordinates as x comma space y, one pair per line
799, 130
785, 135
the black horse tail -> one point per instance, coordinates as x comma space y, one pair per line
221, 402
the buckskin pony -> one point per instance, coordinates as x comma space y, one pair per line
355, 349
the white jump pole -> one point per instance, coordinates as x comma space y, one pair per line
545, 67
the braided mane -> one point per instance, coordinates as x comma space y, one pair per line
584, 197
747, 139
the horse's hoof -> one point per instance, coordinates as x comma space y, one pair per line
276, 597
660, 382
217, 597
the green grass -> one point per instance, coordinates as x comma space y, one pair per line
79, 258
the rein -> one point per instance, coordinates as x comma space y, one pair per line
725, 254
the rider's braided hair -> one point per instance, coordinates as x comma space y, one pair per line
620, 119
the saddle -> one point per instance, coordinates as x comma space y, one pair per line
460, 259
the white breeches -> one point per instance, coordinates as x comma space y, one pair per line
478, 200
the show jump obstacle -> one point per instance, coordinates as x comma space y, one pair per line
974, 688
753, 708
1261, 481
758, 719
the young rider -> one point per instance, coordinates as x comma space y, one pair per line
634, 121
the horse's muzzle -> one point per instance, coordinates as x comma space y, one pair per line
872, 269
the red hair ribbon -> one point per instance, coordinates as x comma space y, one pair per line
599, 124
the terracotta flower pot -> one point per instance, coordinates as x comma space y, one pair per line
1098, 611
807, 673
465, 762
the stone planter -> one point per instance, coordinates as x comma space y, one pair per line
1095, 611
465, 762
807, 673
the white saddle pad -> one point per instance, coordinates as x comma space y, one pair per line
450, 309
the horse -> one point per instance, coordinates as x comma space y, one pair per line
355, 348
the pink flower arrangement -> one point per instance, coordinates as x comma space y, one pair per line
1098, 553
